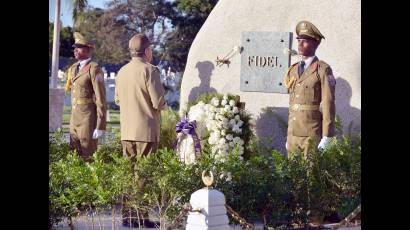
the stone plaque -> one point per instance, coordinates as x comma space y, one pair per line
263, 61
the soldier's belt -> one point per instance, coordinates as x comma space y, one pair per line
82, 101
299, 107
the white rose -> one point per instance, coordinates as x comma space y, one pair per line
224, 102
225, 97
235, 110
223, 133
232, 103
226, 147
229, 137
211, 140
216, 102
218, 125
232, 122
237, 117
219, 117
236, 140
208, 107
240, 123
222, 141
235, 129
227, 108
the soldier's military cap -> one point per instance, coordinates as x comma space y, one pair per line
81, 41
138, 43
305, 28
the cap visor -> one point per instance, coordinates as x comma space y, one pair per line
304, 36
79, 46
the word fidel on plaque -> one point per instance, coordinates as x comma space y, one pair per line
264, 62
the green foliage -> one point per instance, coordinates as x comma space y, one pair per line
187, 20
57, 147
169, 119
269, 186
171, 25
111, 40
167, 184
66, 41
337, 176
76, 186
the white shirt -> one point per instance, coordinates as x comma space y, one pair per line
308, 61
83, 63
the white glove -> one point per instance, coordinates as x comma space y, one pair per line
323, 143
98, 133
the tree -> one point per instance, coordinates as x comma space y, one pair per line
78, 7
187, 22
111, 39
170, 25
66, 41
145, 16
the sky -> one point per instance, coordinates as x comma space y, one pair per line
66, 13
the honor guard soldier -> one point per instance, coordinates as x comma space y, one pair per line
311, 88
85, 81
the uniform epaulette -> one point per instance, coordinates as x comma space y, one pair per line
286, 80
323, 64
93, 64
290, 68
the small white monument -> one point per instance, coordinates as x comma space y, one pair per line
208, 207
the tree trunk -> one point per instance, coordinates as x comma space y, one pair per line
113, 218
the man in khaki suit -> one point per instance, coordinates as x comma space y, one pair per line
311, 88
88, 114
140, 95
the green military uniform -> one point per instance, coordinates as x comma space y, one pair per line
311, 99
88, 100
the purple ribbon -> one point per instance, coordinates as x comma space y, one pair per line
188, 128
